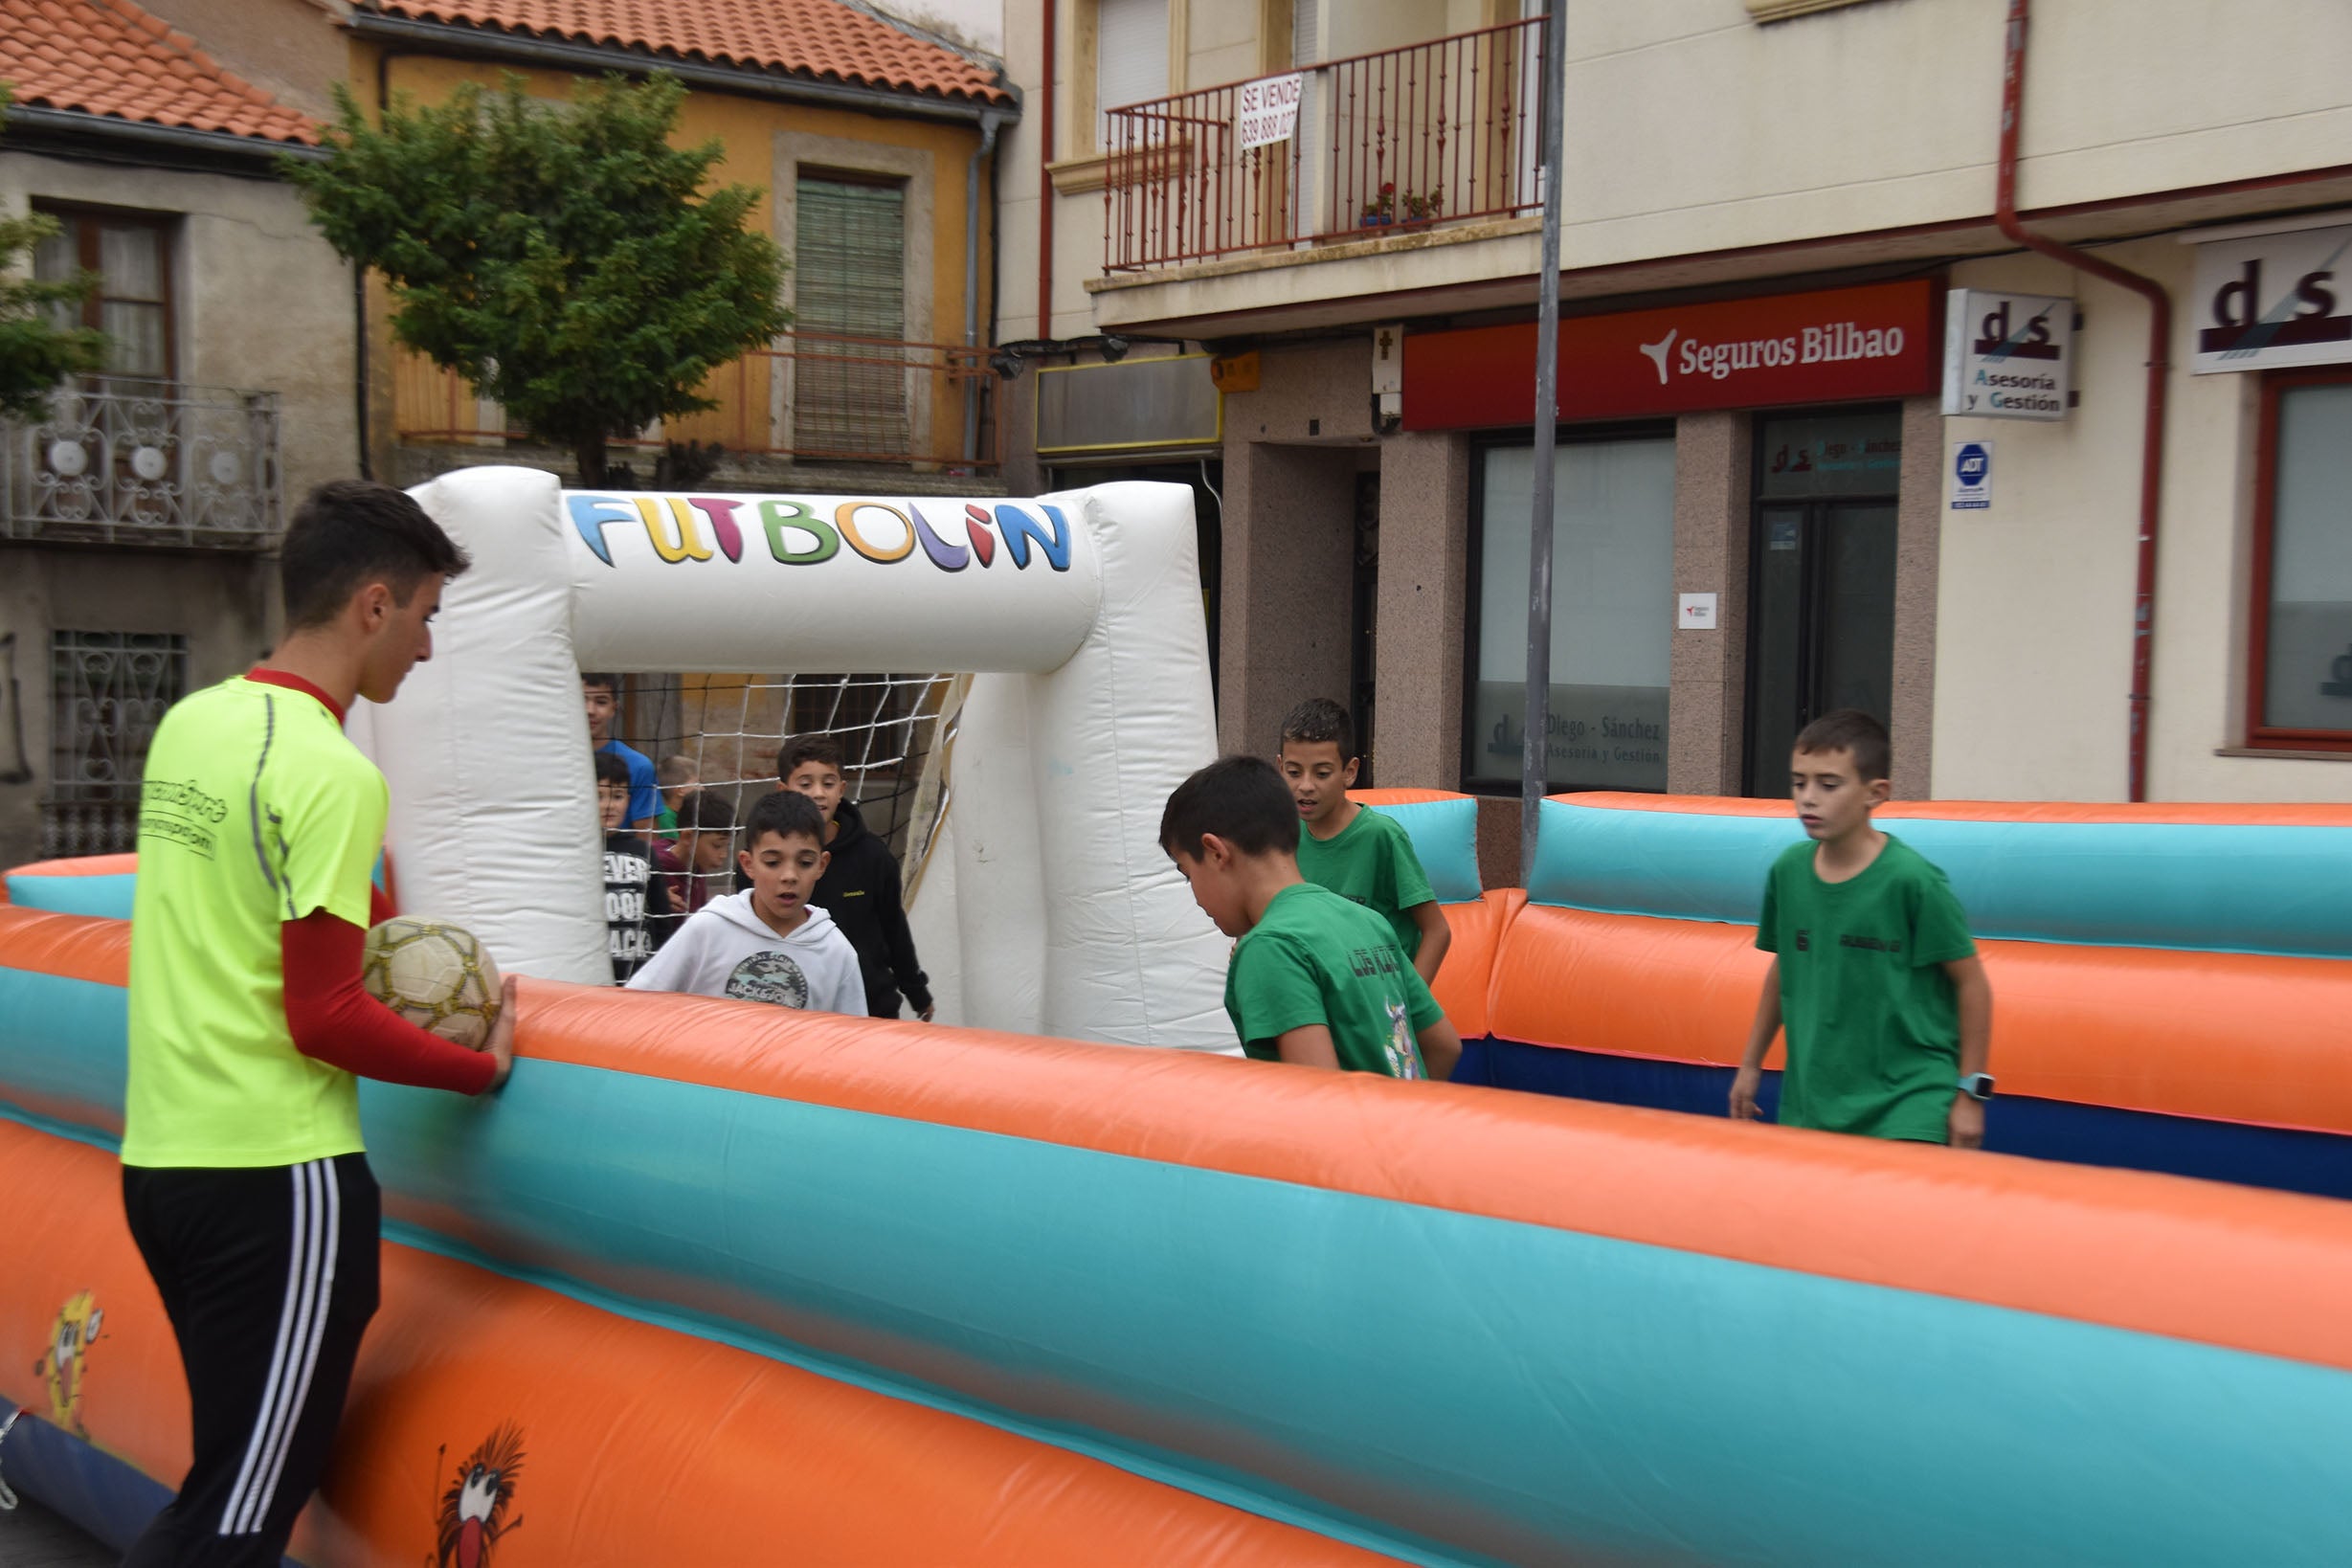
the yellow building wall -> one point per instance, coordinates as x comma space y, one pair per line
762, 140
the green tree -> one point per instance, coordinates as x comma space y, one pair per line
567, 261
36, 351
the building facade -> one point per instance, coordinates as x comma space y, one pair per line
873, 145
1782, 219
136, 520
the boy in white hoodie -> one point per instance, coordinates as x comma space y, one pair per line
767, 943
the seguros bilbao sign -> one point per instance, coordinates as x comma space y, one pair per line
1825, 346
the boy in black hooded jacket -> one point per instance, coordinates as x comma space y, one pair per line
860, 888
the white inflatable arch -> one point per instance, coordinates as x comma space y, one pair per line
1049, 908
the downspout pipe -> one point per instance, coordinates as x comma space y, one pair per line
2160, 365
1045, 183
971, 280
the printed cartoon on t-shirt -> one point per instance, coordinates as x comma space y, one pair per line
769, 977
1404, 1062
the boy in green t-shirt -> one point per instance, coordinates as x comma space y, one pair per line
1890, 1017
1314, 979
1360, 854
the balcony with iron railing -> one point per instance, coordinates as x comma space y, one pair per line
122, 461
812, 397
1432, 135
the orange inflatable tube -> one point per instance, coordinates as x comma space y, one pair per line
729, 1457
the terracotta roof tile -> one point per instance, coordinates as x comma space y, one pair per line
109, 58
819, 39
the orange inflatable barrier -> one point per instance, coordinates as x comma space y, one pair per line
728, 1456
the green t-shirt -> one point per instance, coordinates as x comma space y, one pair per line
1371, 862
1873, 1031
1316, 958
256, 811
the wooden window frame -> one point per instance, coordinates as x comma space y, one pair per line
93, 308
2259, 736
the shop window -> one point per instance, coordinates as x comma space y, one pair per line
132, 304
2302, 663
1612, 613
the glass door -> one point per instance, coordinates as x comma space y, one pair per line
1822, 584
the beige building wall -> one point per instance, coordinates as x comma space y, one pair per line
2033, 644
1693, 130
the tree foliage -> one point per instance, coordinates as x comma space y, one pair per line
567, 261
36, 352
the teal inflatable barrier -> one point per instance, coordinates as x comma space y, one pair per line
109, 898
1445, 835
2277, 889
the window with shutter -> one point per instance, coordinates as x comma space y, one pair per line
132, 303
1130, 57
850, 378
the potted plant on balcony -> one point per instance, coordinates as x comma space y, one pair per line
1424, 209
1381, 210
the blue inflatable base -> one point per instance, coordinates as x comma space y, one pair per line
80, 1483
2286, 1159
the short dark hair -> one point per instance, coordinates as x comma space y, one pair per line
676, 769
1320, 719
703, 812
1240, 800
806, 749
787, 813
1851, 729
609, 682
610, 768
348, 533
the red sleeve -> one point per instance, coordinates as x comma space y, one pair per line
334, 1021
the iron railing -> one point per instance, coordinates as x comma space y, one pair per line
1435, 132
121, 460
814, 397
108, 691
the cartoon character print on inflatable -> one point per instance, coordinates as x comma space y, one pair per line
473, 1514
61, 1366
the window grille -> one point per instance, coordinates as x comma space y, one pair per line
108, 690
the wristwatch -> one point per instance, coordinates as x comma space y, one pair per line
1978, 1086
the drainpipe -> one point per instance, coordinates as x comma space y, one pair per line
360, 366
971, 281
1045, 185
2159, 343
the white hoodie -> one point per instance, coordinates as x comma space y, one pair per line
726, 949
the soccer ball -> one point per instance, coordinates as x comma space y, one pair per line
435, 976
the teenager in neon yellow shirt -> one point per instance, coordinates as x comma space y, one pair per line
243, 1176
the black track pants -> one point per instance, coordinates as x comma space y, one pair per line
269, 1275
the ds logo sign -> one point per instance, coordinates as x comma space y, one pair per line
1973, 464
2274, 298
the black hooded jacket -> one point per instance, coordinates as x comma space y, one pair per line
860, 890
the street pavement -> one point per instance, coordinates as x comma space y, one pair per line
30, 1537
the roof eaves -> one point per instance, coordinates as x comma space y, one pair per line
74, 124
576, 52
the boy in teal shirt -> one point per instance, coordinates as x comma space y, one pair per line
1314, 979
1889, 1012
1360, 854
